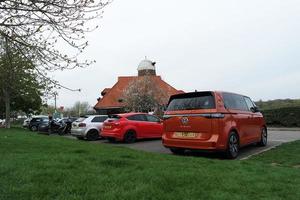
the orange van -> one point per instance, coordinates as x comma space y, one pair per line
212, 120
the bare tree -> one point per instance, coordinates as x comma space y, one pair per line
144, 95
80, 108
36, 28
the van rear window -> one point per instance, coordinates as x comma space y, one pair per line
192, 101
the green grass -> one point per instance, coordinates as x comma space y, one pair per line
41, 167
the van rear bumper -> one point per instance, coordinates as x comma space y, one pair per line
211, 144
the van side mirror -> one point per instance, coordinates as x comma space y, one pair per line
254, 109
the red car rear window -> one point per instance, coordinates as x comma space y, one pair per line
113, 118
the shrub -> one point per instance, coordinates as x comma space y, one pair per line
287, 117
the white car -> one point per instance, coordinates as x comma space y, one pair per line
26, 123
88, 127
2, 123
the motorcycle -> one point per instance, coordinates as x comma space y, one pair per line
61, 127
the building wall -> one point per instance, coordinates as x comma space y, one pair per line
109, 111
147, 72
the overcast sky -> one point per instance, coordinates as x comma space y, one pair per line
249, 47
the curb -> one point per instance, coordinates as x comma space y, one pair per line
283, 129
262, 151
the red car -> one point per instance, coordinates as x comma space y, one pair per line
132, 126
219, 121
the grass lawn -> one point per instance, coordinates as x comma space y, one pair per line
39, 167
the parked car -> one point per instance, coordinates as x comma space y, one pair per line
68, 124
2, 123
132, 126
60, 126
36, 121
88, 127
219, 121
26, 123
56, 127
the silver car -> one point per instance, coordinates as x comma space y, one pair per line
88, 127
26, 123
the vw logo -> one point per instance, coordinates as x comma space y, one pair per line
184, 120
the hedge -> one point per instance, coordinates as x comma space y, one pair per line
287, 117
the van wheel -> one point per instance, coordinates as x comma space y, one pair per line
177, 151
263, 138
92, 135
130, 137
232, 146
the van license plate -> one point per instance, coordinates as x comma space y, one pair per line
185, 134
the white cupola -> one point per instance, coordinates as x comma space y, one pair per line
146, 67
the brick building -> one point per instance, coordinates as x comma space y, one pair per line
112, 98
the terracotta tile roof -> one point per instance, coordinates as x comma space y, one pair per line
111, 98
105, 91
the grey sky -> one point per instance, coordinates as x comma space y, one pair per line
249, 47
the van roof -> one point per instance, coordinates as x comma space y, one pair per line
190, 94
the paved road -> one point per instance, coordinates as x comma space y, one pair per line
275, 138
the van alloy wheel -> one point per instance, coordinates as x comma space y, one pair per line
264, 137
233, 146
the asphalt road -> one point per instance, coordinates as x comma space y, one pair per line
275, 138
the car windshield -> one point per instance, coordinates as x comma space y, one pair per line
192, 101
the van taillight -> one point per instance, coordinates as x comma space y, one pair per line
82, 125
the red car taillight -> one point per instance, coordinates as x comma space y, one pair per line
82, 125
111, 123
116, 124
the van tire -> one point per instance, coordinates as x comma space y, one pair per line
130, 137
233, 145
177, 151
263, 138
92, 135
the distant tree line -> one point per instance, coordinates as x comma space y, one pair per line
77, 110
278, 103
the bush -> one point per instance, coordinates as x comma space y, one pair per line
287, 117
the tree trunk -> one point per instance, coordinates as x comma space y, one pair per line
6, 90
7, 108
